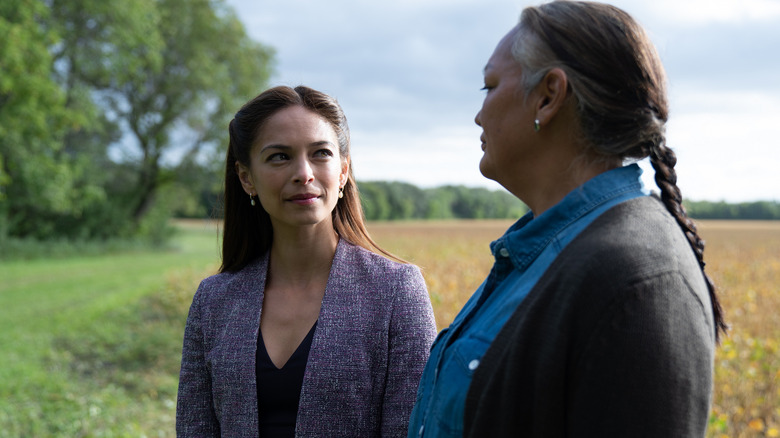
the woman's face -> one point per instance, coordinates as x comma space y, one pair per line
506, 118
295, 169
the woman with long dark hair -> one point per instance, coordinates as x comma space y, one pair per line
309, 329
597, 319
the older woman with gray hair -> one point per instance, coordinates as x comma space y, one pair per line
597, 318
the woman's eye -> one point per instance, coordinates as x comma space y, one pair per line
486, 88
323, 153
277, 157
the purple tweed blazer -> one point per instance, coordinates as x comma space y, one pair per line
373, 337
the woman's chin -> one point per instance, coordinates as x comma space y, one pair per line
486, 169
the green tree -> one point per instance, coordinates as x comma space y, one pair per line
374, 200
757, 210
397, 201
101, 44
36, 178
169, 74
403, 199
106, 105
440, 202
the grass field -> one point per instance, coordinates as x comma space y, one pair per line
85, 351
91, 344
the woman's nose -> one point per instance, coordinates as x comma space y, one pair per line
304, 173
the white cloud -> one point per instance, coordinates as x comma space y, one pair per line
699, 12
726, 144
427, 158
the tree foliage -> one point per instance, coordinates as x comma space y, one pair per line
35, 176
107, 106
387, 201
758, 210
398, 201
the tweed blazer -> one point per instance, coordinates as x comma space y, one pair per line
617, 339
372, 339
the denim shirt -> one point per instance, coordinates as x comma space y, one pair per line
522, 255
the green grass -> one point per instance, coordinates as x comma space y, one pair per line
91, 345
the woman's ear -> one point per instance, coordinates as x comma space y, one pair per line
344, 175
552, 93
246, 179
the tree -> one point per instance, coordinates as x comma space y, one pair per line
397, 201
168, 73
106, 104
758, 210
35, 177
374, 200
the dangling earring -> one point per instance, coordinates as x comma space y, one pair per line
341, 192
252, 200
537, 125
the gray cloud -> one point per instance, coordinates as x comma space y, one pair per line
408, 75
740, 56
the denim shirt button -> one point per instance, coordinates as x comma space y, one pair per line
473, 364
503, 252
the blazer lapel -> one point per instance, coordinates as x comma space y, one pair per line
324, 352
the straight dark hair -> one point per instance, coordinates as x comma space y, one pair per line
619, 83
247, 231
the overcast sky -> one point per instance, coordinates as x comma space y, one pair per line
408, 74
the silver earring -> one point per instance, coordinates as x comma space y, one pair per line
341, 192
252, 200
537, 125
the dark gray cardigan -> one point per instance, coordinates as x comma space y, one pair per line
372, 340
615, 340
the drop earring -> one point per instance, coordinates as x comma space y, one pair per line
537, 125
252, 200
341, 192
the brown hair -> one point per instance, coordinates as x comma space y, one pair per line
619, 83
247, 232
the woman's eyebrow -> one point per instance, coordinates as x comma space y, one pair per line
285, 147
275, 146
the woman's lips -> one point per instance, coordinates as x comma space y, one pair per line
303, 199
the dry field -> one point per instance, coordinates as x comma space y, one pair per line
743, 258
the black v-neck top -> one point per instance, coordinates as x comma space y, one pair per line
279, 390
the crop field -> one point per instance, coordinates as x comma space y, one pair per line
91, 345
743, 259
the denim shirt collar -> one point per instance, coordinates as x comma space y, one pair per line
527, 237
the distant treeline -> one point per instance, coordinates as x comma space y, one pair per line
398, 201
384, 200
759, 210
395, 200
